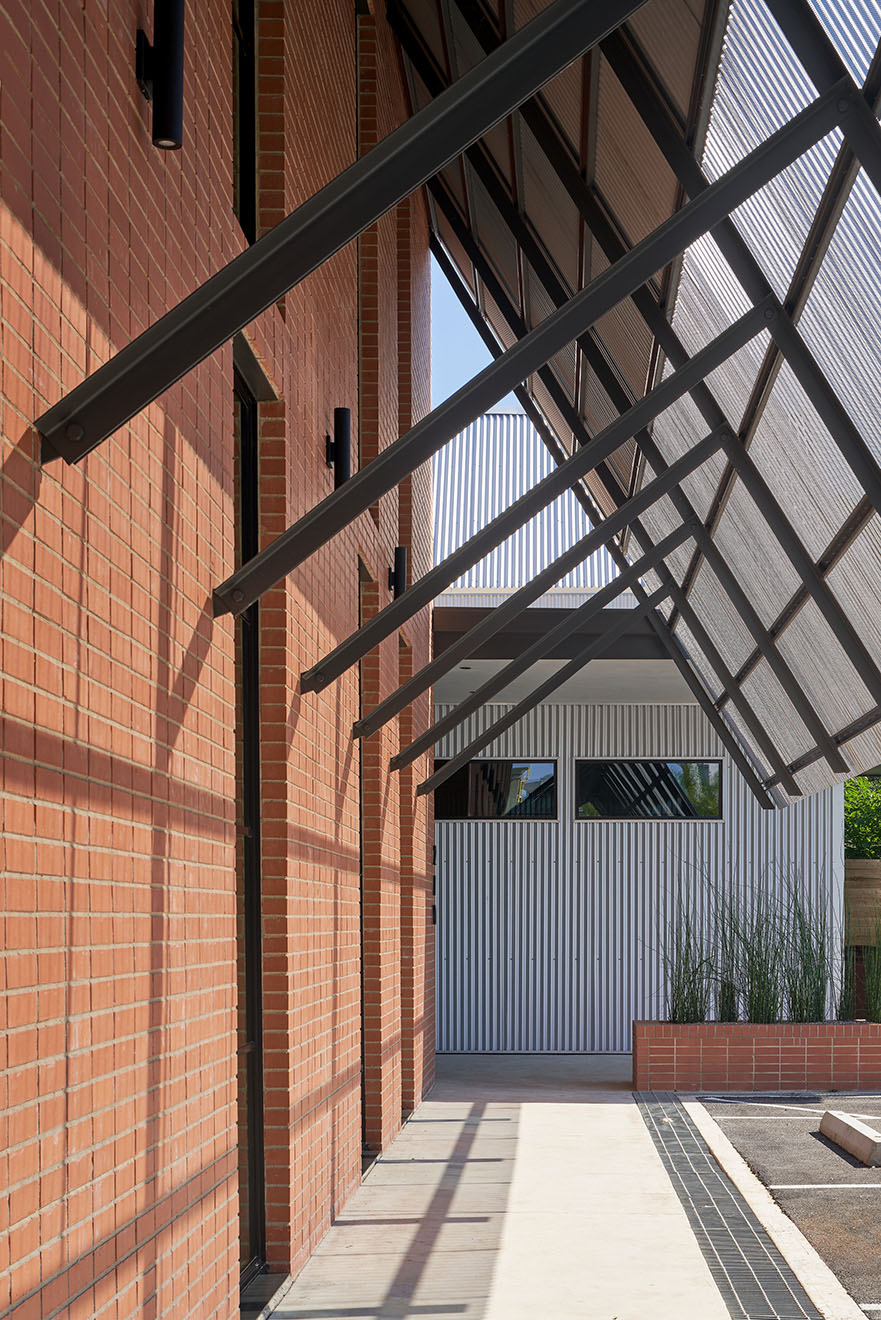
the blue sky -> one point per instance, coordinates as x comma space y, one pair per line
457, 351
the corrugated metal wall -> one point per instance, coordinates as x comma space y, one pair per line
482, 471
549, 932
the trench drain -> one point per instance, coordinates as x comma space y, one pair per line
753, 1278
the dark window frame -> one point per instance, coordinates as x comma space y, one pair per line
249, 625
507, 820
648, 760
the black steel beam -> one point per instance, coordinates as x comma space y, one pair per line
838, 188
853, 730
771, 510
654, 113
486, 170
399, 459
718, 723
733, 691
815, 584
720, 726
825, 67
537, 695
832, 554
504, 614
574, 620
335, 215
514, 321
653, 107
423, 591
743, 605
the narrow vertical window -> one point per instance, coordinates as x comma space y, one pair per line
248, 888
244, 91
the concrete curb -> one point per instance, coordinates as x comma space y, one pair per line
814, 1275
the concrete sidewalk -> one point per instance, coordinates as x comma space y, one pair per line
522, 1189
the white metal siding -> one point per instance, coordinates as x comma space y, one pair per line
482, 471
548, 932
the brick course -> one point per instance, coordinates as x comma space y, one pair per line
118, 1096
743, 1056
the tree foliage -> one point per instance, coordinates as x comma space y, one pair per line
862, 818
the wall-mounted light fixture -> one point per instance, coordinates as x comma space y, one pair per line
159, 70
338, 451
397, 576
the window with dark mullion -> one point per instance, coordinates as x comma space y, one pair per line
244, 84
648, 790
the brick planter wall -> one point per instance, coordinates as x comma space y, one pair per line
742, 1056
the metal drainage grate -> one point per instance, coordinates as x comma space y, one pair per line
755, 1281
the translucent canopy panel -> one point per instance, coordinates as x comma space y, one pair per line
555, 197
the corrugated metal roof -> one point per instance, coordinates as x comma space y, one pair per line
478, 475
791, 447
588, 170
600, 127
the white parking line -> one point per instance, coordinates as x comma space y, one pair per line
759, 1104
826, 1187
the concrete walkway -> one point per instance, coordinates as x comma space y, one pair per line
522, 1189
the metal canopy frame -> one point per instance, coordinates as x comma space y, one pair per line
571, 470
726, 735
638, 264
572, 621
540, 693
456, 121
329, 220
789, 344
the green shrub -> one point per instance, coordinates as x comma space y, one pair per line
862, 818
807, 970
689, 972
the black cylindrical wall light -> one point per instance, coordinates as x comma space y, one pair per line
397, 576
160, 72
339, 449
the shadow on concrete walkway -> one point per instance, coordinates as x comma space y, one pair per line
523, 1188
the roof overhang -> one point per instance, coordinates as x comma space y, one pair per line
659, 295
452, 623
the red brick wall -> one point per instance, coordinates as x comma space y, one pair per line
741, 1056
117, 1060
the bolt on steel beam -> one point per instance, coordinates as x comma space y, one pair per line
582, 461
399, 459
335, 215
513, 607
540, 648
538, 694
